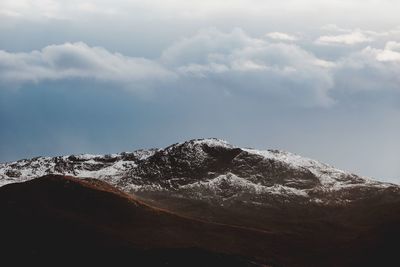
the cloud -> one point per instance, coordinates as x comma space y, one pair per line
77, 61
334, 28
281, 36
352, 38
231, 62
204, 8
391, 53
348, 37
240, 63
371, 69
56, 9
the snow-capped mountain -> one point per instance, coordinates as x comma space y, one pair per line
210, 169
285, 209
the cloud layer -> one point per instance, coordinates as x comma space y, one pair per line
231, 61
198, 8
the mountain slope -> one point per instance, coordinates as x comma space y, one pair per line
64, 220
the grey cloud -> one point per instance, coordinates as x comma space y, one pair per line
370, 69
239, 62
231, 61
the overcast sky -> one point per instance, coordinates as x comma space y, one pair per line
317, 78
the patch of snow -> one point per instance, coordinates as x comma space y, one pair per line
218, 183
144, 154
213, 142
116, 170
86, 156
328, 175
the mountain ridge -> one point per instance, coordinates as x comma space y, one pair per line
200, 163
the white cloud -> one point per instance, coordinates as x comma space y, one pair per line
239, 62
77, 61
281, 36
391, 53
371, 56
388, 56
242, 63
393, 46
352, 38
357, 35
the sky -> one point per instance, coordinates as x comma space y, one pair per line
316, 78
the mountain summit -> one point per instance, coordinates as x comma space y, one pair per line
206, 165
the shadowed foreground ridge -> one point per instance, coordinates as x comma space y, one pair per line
58, 219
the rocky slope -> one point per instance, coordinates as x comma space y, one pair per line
208, 168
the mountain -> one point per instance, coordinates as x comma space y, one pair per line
315, 215
205, 165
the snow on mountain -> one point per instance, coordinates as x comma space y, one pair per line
201, 168
329, 176
221, 183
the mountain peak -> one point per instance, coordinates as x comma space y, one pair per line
210, 142
211, 165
